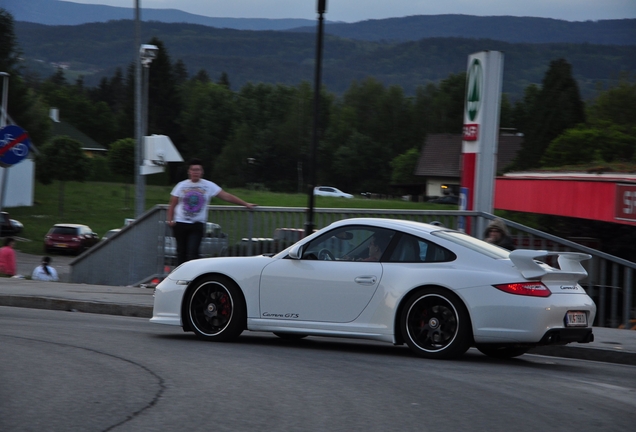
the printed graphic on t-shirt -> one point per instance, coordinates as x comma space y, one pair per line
193, 201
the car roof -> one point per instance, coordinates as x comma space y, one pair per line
70, 225
398, 224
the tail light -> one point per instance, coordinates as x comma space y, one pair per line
533, 289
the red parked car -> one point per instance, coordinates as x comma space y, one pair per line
73, 238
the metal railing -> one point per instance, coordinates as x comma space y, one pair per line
136, 254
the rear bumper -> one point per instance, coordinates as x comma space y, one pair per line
68, 247
567, 335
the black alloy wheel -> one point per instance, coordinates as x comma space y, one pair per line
435, 324
216, 310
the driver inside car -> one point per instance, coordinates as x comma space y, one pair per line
376, 247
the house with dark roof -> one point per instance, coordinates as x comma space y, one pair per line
440, 161
61, 128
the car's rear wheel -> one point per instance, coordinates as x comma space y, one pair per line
215, 309
502, 352
435, 324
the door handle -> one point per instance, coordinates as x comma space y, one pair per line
366, 280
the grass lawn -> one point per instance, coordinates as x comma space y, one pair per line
104, 206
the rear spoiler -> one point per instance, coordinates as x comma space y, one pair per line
569, 263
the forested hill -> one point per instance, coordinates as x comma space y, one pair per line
96, 50
503, 28
55, 12
410, 28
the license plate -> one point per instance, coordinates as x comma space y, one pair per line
576, 319
61, 245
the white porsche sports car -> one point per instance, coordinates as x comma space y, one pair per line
438, 290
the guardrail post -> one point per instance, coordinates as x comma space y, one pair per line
627, 298
250, 231
614, 306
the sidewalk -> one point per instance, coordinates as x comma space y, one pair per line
610, 345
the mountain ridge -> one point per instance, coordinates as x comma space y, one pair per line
56, 12
95, 50
400, 29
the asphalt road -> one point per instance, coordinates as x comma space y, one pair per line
86, 372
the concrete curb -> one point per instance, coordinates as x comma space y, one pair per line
574, 352
76, 306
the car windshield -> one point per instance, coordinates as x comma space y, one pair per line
473, 244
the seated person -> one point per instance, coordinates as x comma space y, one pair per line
45, 272
377, 245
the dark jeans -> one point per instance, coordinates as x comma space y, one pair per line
188, 237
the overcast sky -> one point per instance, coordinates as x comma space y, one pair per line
358, 10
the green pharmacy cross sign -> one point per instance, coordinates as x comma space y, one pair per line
474, 90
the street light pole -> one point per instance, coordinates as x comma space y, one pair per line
309, 224
139, 178
5, 97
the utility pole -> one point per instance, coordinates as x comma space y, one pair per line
309, 224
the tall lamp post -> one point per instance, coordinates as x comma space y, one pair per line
5, 98
139, 178
309, 224
147, 54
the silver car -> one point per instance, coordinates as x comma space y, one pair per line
330, 191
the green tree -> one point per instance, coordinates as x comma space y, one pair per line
61, 159
522, 108
277, 119
616, 105
558, 107
94, 118
180, 72
361, 165
121, 161
449, 104
383, 114
209, 118
609, 136
164, 96
25, 108
404, 166
224, 80
586, 145
111, 91
9, 52
506, 113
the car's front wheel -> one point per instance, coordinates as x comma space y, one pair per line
435, 324
215, 309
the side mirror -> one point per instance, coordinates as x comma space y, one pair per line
295, 252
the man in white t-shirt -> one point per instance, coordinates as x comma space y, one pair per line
188, 210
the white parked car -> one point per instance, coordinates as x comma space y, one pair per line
110, 233
330, 191
438, 290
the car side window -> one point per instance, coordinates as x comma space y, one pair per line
349, 244
413, 249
